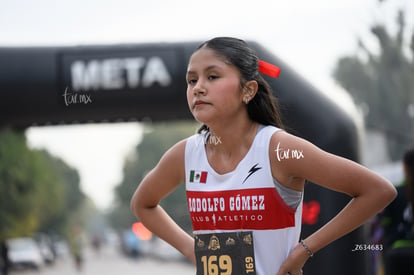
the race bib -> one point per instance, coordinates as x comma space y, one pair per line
225, 253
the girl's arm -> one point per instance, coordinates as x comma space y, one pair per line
370, 193
156, 185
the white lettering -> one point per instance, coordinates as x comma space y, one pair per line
190, 205
231, 203
216, 201
118, 73
210, 206
74, 98
297, 154
246, 203
85, 76
133, 66
198, 204
236, 203
225, 218
155, 72
204, 204
261, 200
287, 153
111, 74
222, 204
254, 203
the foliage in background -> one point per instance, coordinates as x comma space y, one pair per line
382, 84
72, 197
18, 174
38, 192
157, 139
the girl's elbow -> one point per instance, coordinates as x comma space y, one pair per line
135, 205
139, 205
388, 194
391, 193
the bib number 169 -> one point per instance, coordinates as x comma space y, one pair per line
214, 265
222, 265
249, 264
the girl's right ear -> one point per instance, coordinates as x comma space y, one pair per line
250, 89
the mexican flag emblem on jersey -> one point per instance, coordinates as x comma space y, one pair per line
198, 176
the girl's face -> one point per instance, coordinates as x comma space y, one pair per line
214, 92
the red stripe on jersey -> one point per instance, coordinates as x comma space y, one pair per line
259, 208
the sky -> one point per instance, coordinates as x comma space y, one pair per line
309, 36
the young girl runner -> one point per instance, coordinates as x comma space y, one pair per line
244, 192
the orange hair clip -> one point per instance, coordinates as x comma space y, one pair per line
269, 69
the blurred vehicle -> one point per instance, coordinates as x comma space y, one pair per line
136, 241
24, 253
61, 248
163, 251
130, 243
46, 247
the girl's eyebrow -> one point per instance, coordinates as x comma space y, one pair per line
206, 69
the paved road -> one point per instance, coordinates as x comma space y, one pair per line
111, 262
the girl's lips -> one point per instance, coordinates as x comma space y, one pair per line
199, 102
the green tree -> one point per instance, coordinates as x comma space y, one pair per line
38, 192
382, 84
17, 185
49, 194
68, 201
157, 139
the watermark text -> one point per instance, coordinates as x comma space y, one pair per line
76, 97
282, 153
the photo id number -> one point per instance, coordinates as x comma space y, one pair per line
364, 247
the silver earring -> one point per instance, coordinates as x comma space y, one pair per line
246, 100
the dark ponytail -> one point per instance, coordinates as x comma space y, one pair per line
263, 108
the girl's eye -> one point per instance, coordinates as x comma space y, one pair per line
191, 81
212, 77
